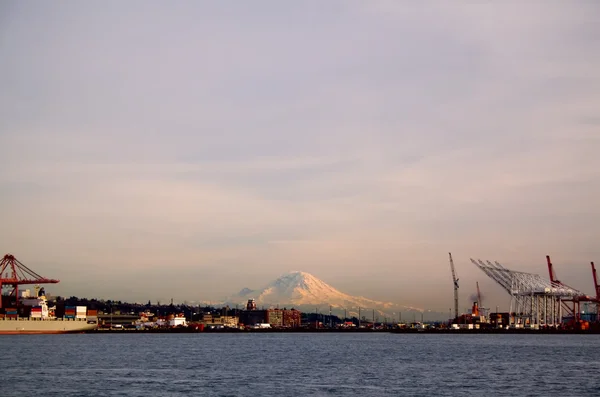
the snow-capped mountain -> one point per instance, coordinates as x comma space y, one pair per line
307, 293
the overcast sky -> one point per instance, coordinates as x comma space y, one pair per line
188, 150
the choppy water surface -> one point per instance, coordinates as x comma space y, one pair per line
299, 365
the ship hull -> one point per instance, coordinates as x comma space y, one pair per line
57, 326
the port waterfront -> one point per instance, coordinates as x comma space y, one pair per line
424, 331
536, 316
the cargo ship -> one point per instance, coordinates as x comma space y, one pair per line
24, 313
34, 316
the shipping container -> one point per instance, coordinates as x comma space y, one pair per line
24, 311
92, 313
590, 317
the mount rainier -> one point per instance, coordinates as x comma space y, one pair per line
306, 292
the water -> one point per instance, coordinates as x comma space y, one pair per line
308, 364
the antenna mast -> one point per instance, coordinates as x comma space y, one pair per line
455, 280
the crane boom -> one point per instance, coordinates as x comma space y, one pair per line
455, 280
14, 273
551, 271
596, 286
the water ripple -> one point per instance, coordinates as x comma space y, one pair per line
299, 365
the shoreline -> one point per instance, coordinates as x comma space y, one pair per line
360, 331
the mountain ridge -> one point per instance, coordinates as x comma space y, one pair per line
306, 292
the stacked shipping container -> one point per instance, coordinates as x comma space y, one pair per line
81, 312
70, 312
36, 312
92, 316
24, 311
11, 312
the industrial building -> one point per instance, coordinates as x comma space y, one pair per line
277, 318
210, 320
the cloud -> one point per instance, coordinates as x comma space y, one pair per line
363, 138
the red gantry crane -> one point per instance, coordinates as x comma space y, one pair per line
575, 310
552, 274
14, 273
554, 281
597, 288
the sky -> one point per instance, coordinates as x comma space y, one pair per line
153, 151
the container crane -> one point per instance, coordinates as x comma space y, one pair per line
14, 273
551, 271
597, 288
595, 276
575, 310
555, 282
455, 280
